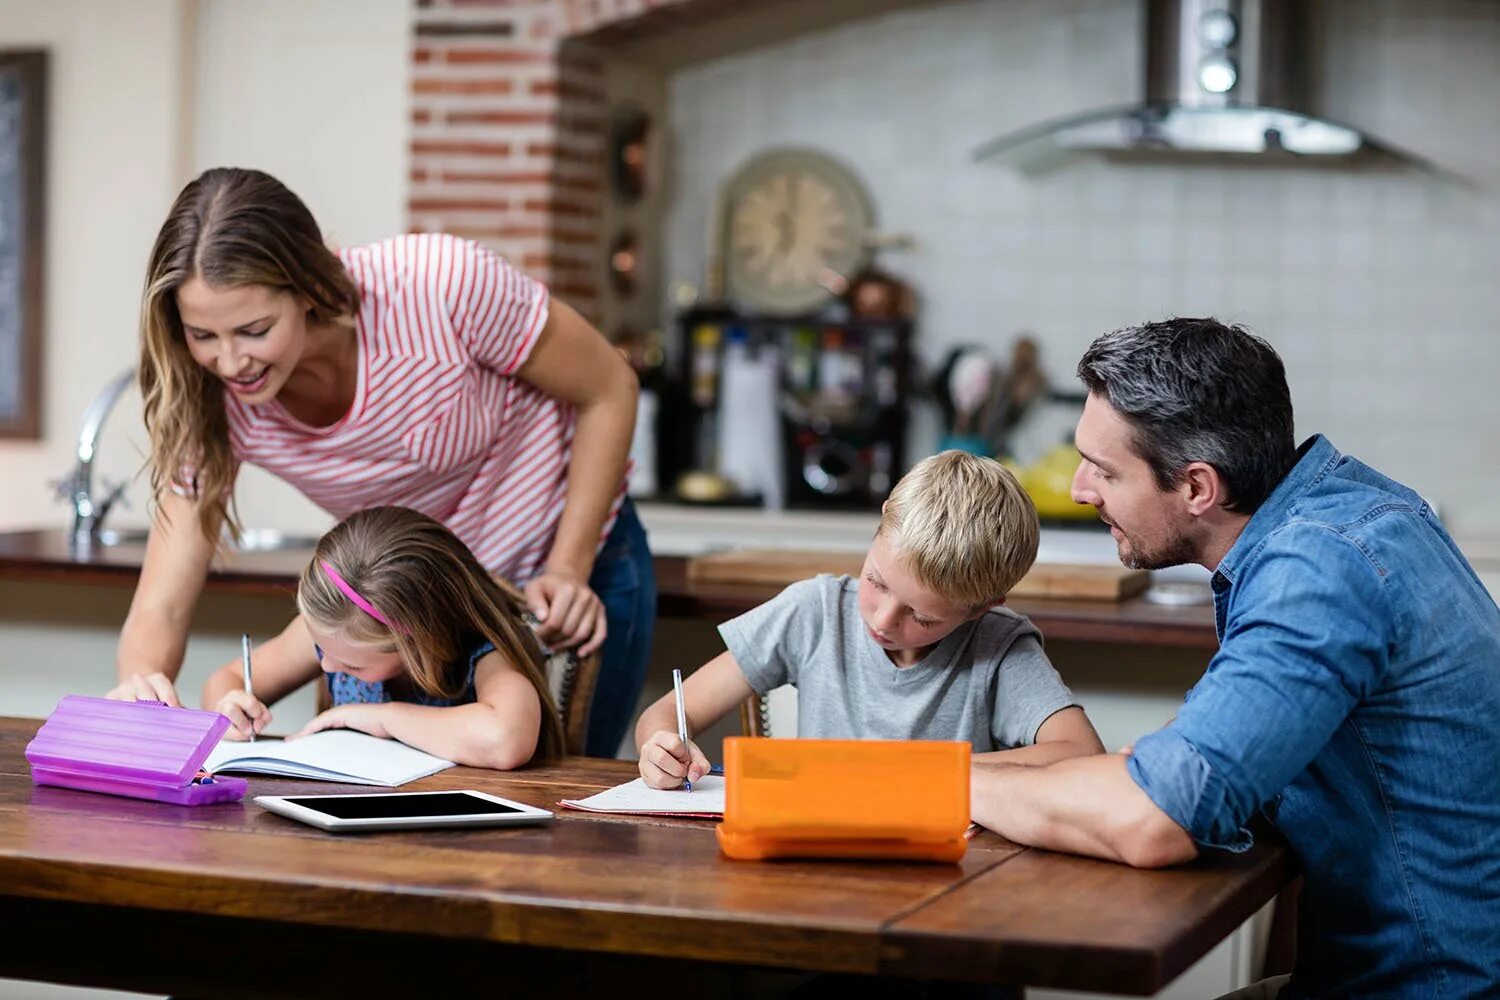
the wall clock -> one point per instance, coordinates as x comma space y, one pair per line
795, 226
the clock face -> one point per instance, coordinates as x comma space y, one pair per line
796, 222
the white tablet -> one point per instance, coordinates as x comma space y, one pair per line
403, 810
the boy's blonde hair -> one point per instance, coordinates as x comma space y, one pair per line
441, 601
962, 526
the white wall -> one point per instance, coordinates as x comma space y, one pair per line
145, 95
1378, 287
316, 94
114, 153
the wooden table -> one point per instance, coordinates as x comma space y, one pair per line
233, 901
47, 555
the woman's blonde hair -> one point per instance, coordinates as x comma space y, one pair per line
962, 526
439, 601
230, 228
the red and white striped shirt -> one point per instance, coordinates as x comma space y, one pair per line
439, 422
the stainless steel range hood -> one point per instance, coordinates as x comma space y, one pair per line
1224, 77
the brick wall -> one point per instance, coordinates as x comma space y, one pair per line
509, 130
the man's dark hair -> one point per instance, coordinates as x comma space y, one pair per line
1197, 390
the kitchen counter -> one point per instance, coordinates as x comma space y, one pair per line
48, 556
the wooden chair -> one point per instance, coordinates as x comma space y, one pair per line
755, 716
572, 681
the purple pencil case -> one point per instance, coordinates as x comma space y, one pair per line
142, 749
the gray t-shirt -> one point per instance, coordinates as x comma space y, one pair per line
987, 682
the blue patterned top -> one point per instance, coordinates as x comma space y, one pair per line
348, 689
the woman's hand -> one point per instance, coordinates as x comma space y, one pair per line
146, 687
665, 762
247, 716
364, 717
570, 613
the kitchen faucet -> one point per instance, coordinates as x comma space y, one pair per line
78, 489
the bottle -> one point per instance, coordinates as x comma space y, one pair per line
643, 446
705, 365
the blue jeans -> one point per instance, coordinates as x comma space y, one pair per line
624, 577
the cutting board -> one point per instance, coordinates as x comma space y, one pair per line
779, 567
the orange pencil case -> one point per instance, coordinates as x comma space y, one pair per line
898, 799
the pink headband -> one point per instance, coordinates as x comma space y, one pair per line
359, 602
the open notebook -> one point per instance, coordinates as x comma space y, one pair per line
341, 755
634, 798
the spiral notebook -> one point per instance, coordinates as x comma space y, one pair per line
341, 755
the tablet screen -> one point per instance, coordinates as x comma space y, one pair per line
399, 806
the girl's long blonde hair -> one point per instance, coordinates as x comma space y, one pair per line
439, 600
228, 227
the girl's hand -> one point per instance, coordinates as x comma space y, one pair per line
366, 718
570, 613
246, 714
666, 763
146, 687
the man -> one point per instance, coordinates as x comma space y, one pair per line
1355, 696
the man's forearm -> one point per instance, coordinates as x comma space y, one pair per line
1086, 805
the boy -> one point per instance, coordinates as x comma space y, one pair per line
918, 647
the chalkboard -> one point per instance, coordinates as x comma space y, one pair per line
23, 79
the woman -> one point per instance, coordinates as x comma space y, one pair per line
422, 371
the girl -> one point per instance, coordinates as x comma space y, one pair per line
422, 371
417, 642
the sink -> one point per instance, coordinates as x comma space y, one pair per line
272, 540
251, 539
128, 536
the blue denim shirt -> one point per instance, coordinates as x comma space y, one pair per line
1355, 699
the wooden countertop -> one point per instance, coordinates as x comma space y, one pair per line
229, 900
48, 556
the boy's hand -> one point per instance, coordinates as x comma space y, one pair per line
246, 714
146, 687
366, 717
666, 763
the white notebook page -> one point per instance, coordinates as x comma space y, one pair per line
331, 755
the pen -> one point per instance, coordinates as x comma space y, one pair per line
245, 657
681, 717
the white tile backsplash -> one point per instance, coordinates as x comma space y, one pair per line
1377, 284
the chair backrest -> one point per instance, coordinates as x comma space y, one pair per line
755, 716
572, 680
